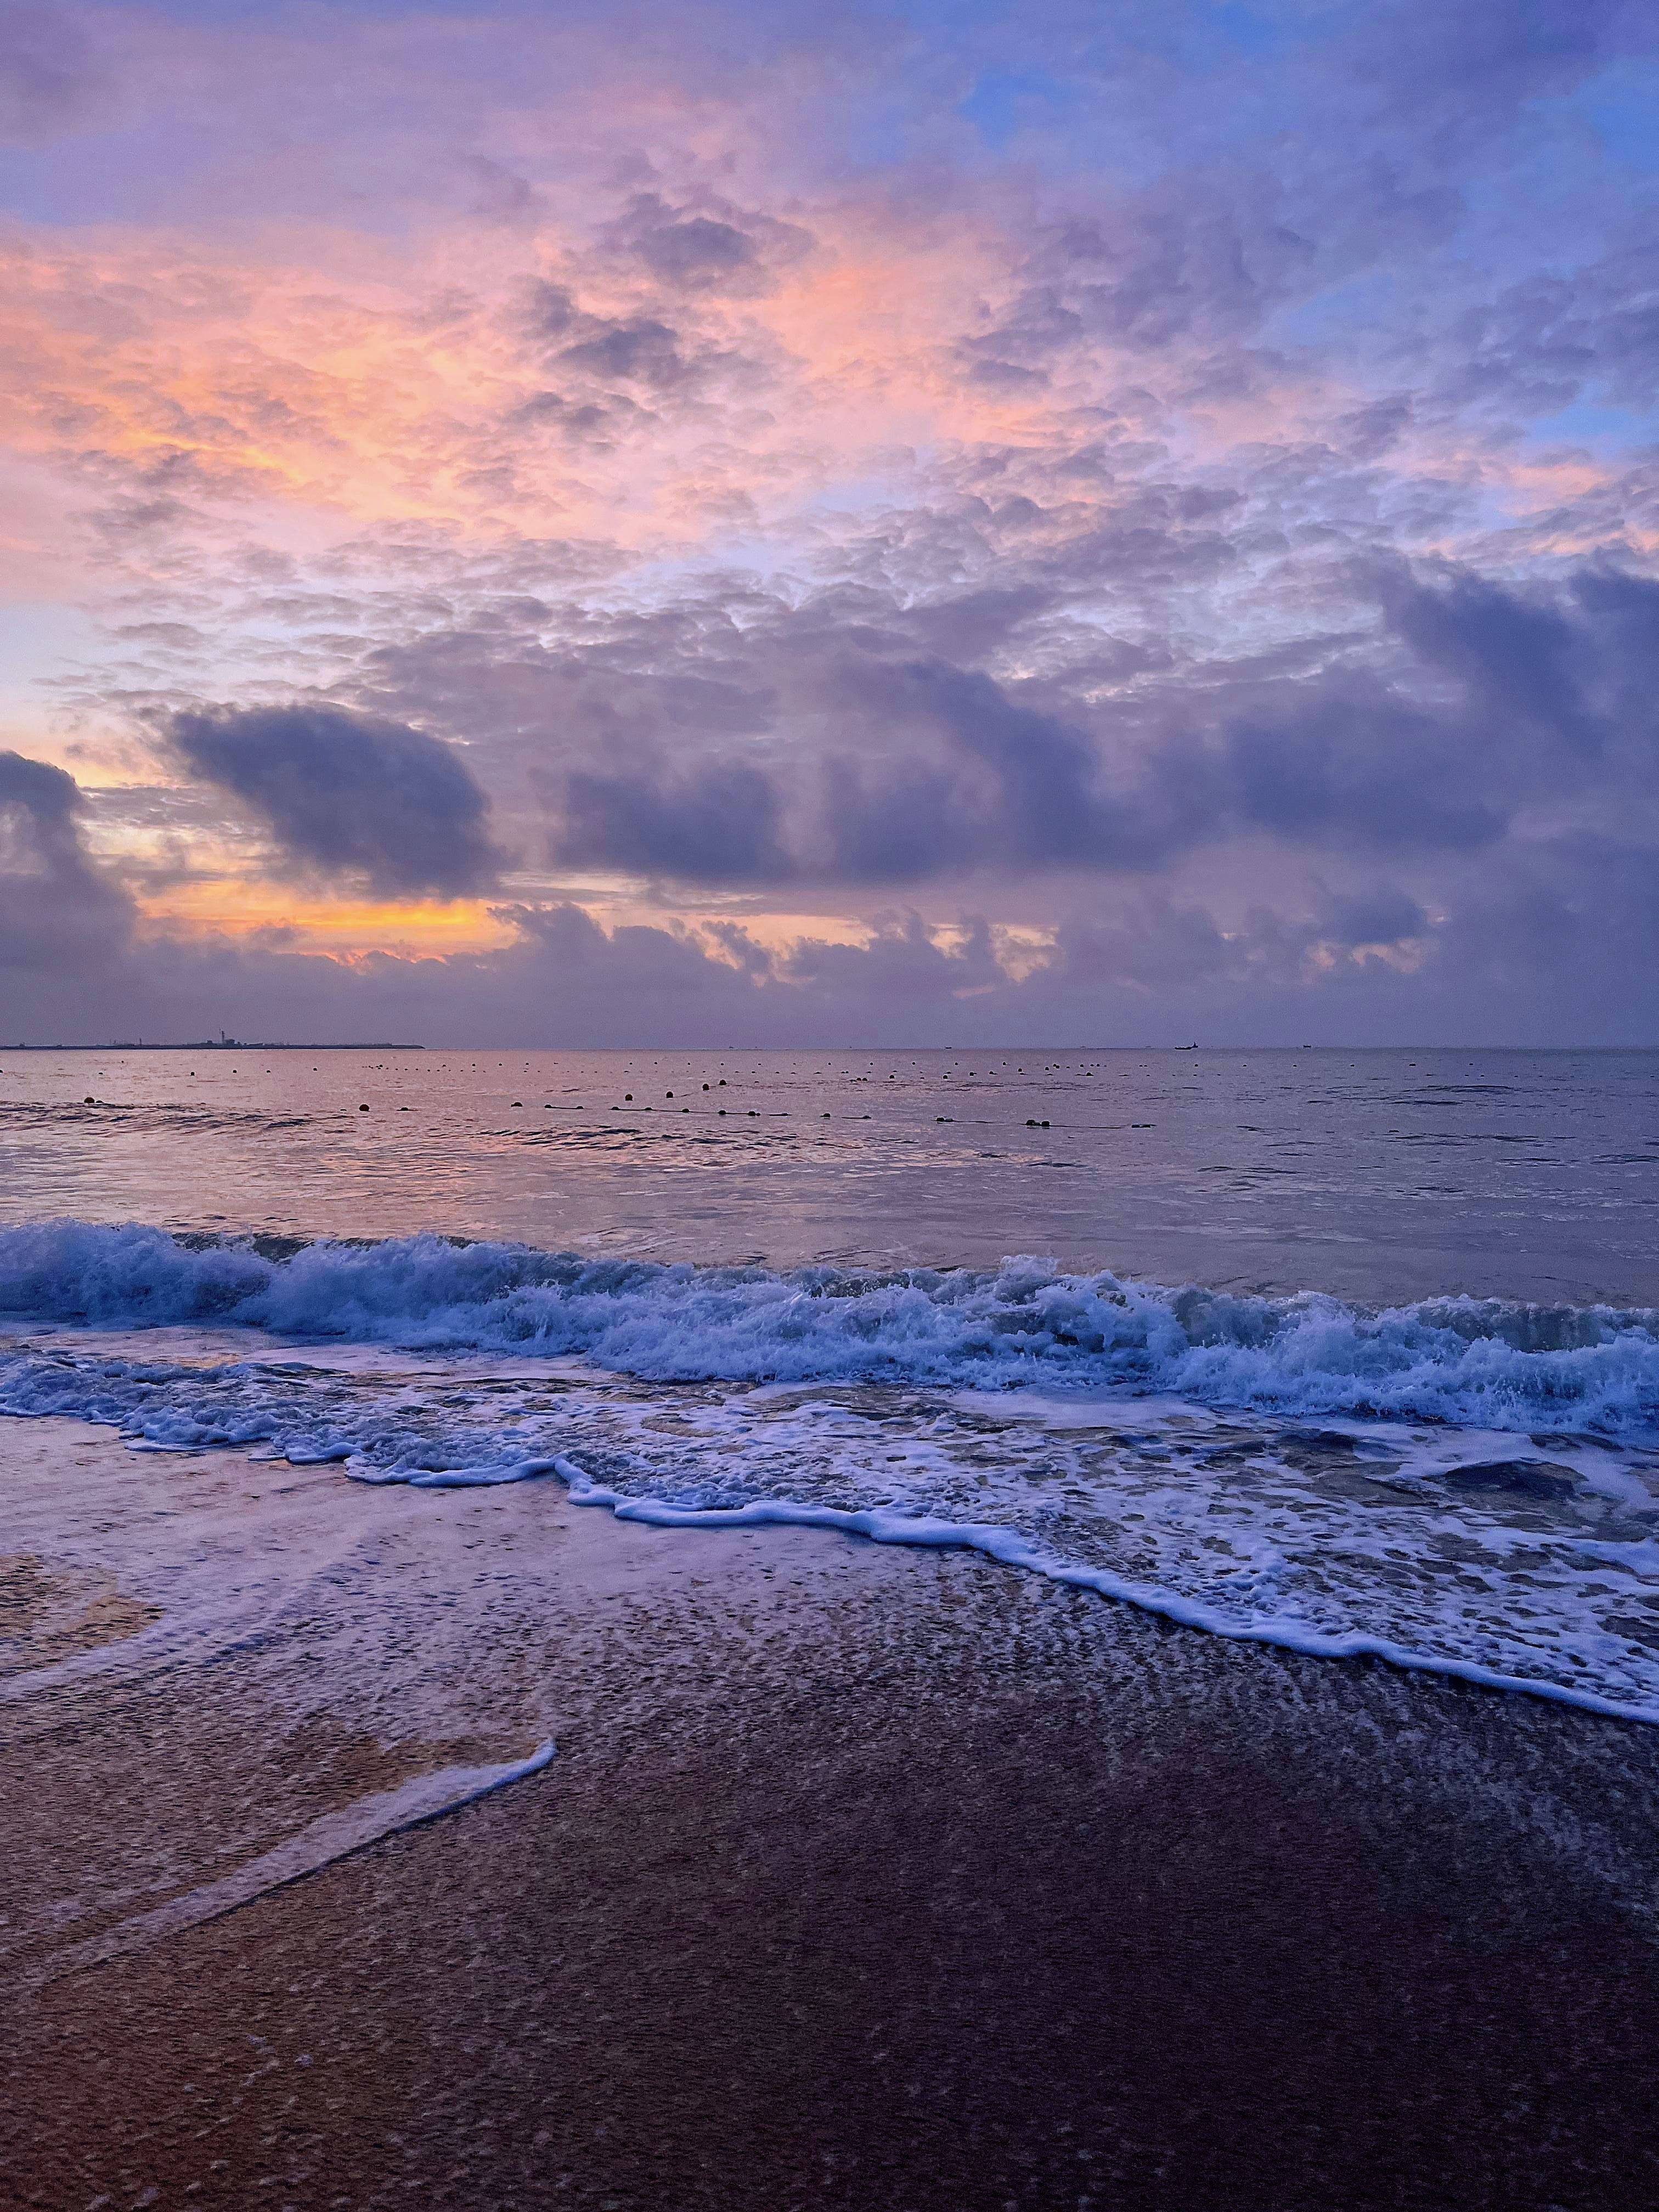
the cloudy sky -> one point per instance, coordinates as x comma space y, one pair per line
1065, 521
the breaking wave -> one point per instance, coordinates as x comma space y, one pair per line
1468, 1362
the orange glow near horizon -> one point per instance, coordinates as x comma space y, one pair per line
230, 908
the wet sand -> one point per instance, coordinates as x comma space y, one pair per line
861, 1878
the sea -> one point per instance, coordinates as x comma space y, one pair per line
1355, 1352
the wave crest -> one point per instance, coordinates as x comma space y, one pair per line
1467, 1361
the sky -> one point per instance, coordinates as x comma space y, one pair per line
697, 524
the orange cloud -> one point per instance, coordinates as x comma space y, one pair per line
227, 908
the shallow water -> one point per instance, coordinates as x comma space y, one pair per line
1497, 1553
1408, 1401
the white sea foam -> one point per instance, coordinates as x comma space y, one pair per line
1287, 1630
1470, 1488
1488, 1363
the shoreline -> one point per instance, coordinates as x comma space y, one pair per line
1008, 1549
1518, 1561
862, 1877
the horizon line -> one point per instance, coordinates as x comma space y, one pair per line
235, 1044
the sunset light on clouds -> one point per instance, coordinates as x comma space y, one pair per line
1071, 523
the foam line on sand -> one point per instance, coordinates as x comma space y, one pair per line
331, 1836
1012, 1549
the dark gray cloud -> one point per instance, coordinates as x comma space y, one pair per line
1019, 786
40, 799
1503, 697
58, 912
553, 311
1347, 765
346, 795
1383, 914
1513, 656
963, 776
1576, 667
720, 827
1427, 730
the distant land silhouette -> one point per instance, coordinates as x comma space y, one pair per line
214, 1044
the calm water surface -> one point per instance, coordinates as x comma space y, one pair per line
1378, 1176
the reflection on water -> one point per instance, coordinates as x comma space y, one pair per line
1379, 1175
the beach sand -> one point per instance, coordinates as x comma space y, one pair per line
862, 1877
